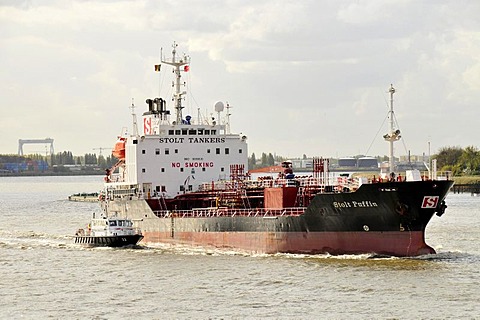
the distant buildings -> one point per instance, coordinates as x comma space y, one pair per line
364, 163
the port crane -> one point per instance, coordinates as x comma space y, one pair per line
100, 149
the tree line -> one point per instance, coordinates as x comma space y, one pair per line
62, 159
461, 161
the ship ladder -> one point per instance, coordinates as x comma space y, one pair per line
172, 227
301, 196
246, 202
161, 202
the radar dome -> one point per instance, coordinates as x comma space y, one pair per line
219, 106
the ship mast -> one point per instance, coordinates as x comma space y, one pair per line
134, 120
393, 135
177, 96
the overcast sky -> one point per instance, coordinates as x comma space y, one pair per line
302, 77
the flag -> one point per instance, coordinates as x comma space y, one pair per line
157, 67
186, 68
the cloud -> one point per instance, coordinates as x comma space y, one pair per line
303, 77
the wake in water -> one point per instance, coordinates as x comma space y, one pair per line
31, 240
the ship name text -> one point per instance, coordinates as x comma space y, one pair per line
355, 204
191, 140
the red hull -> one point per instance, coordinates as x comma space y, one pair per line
390, 243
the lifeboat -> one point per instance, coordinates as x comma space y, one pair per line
119, 149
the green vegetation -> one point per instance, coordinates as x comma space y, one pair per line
62, 162
265, 161
462, 162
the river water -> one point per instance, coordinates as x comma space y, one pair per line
44, 275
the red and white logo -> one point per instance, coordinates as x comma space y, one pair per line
429, 202
147, 126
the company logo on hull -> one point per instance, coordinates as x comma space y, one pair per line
430, 202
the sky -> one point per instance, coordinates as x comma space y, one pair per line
302, 77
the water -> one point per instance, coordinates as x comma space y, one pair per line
44, 275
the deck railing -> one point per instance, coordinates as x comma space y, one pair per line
227, 212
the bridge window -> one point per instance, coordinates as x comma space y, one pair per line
167, 151
157, 151
192, 132
200, 132
171, 132
207, 132
214, 132
184, 132
177, 132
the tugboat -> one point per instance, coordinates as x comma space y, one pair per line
184, 180
109, 232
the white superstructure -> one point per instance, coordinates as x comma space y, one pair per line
173, 156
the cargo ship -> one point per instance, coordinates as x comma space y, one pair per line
184, 180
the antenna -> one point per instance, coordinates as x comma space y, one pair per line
134, 119
177, 96
227, 124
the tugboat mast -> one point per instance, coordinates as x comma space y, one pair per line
393, 135
177, 96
